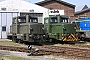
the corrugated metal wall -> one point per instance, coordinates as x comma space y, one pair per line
5, 22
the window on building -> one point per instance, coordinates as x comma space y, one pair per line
3, 9
32, 11
3, 28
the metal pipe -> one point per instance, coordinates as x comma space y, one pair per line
49, 24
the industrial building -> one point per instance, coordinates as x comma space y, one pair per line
41, 9
82, 11
66, 8
13, 8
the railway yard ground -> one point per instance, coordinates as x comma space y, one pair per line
13, 55
50, 54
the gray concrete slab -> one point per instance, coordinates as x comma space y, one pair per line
45, 57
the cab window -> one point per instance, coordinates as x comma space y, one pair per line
64, 20
34, 20
53, 20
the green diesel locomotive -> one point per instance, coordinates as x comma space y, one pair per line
59, 28
27, 29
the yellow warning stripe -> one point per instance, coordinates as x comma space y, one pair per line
70, 37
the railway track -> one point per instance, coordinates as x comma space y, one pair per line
53, 50
82, 46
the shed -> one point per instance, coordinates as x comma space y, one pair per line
13, 8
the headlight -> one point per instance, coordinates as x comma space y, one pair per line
31, 28
30, 35
44, 35
43, 28
75, 28
64, 28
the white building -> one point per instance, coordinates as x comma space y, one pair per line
13, 8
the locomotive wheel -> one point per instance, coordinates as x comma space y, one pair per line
19, 41
51, 40
13, 39
82, 38
16, 41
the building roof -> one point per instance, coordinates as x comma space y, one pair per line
20, 6
60, 1
79, 8
82, 11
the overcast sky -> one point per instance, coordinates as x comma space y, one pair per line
74, 2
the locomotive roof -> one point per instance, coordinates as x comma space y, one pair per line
24, 16
58, 15
81, 20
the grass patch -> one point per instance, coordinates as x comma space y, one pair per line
10, 43
59, 44
7, 42
9, 57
